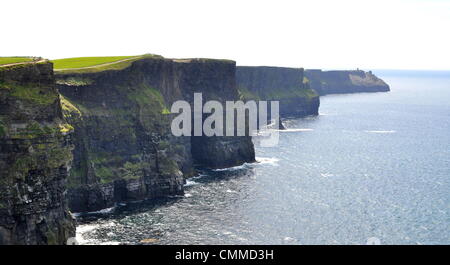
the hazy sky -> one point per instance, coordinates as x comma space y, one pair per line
343, 34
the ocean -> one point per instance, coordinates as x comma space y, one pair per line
371, 168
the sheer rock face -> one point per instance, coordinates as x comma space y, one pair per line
124, 149
342, 82
286, 85
35, 155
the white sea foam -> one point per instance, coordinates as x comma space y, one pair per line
110, 243
268, 160
296, 130
245, 165
102, 211
81, 229
198, 176
106, 210
190, 182
86, 228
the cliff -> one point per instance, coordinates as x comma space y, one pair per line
124, 149
35, 156
286, 85
340, 82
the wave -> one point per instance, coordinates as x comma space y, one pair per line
198, 176
81, 229
87, 228
245, 165
102, 211
267, 160
296, 130
190, 182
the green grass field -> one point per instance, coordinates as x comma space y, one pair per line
10, 60
82, 62
96, 64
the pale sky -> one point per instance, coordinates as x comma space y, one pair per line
344, 34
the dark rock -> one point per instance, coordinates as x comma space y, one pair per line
341, 82
35, 156
124, 149
286, 85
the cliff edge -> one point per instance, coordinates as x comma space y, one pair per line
35, 157
286, 85
124, 149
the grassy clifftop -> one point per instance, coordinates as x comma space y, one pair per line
96, 64
14, 60
82, 62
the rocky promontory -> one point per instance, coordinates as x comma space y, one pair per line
342, 82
